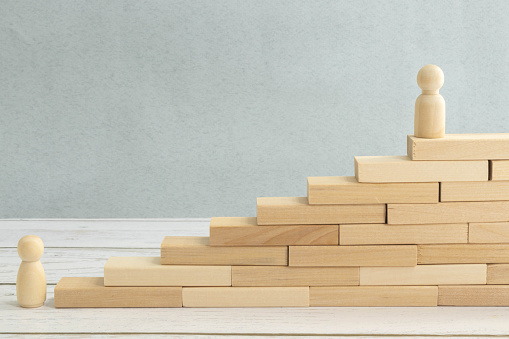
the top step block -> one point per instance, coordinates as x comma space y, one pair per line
492, 146
379, 169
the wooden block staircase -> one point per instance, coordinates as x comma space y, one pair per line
427, 229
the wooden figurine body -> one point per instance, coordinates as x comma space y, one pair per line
429, 120
31, 280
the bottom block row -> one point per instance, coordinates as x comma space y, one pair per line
91, 292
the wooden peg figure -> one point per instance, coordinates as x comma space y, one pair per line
429, 121
31, 281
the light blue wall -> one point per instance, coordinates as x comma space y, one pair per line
194, 108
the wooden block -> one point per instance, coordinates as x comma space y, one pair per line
448, 212
499, 170
374, 296
488, 295
460, 147
403, 169
246, 232
474, 191
148, 271
91, 292
498, 274
245, 296
463, 254
294, 276
382, 234
347, 190
196, 251
388, 255
489, 233
424, 275
295, 211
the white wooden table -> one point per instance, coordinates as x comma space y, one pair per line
81, 248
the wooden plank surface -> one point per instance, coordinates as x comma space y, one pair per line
491, 232
321, 321
294, 276
474, 191
499, 170
374, 296
245, 296
380, 169
424, 275
386, 255
448, 212
196, 251
481, 146
463, 254
472, 295
148, 271
296, 210
246, 232
383, 234
90, 292
498, 274
347, 190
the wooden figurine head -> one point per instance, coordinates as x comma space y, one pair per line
430, 79
30, 248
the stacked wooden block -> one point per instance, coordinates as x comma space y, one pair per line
430, 228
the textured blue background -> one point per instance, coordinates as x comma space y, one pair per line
194, 108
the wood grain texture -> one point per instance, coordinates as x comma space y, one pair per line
463, 254
380, 169
90, 292
347, 190
294, 276
460, 147
383, 234
374, 296
424, 275
148, 271
499, 170
246, 232
471, 295
474, 191
498, 274
448, 212
196, 251
296, 210
489, 233
245, 296
386, 255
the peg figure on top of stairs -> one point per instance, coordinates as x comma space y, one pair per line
429, 120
